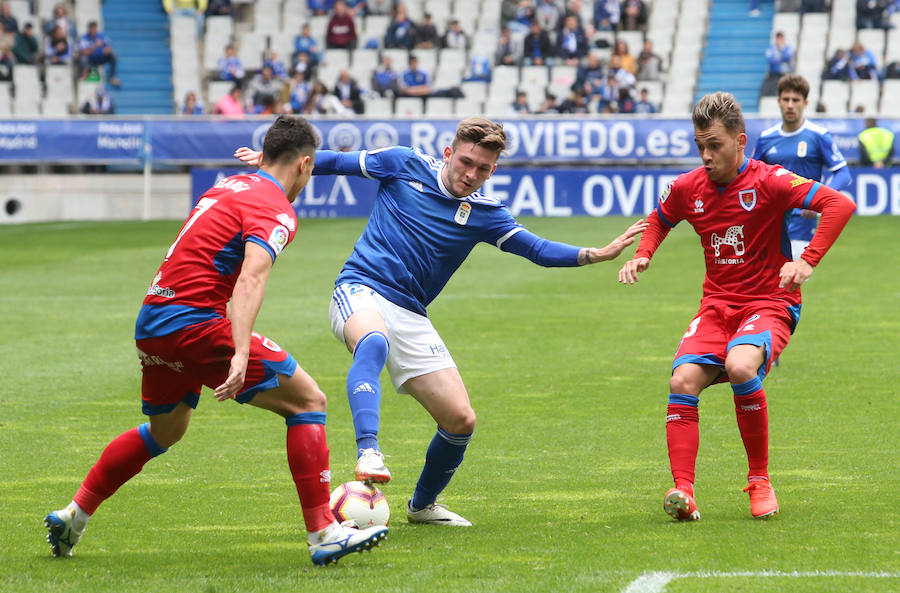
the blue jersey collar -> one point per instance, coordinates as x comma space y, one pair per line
268, 176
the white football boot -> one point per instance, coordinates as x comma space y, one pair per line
435, 514
61, 531
343, 540
370, 467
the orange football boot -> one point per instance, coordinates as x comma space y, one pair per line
763, 503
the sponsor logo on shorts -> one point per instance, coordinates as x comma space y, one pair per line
439, 350
278, 239
149, 360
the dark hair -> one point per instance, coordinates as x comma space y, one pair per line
287, 138
719, 107
795, 83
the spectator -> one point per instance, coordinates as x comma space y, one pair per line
571, 44
820, 107
6, 61
624, 102
575, 104
9, 22
572, 8
524, 17
263, 85
232, 104
320, 7
96, 50
322, 102
193, 8
25, 47
401, 33
626, 60
864, 62
519, 106
509, 11
414, 82
624, 77
99, 103
779, 57
606, 93
634, 15
479, 69
279, 70
839, 67
455, 37
549, 104
548, 15
61, 18
341, 30
876, 145
357, 8
754, 8
299, 92
304, 43
385, 80
56, 47
538, 49
230, 67
812, 6
643, 105
219, 8
649, 63
190, 105
426, 35
872, 14
302, 65
509, 50
607, 14
347, 91
589, 75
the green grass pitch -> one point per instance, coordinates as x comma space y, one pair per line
564, 480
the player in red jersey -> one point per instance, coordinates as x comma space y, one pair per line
195, 328
751, 293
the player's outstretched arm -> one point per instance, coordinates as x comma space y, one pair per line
248, 156
593, 255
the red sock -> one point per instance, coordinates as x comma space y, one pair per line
683, 439
753, 422
122, 459
307, 453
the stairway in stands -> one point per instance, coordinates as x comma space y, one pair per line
734, 59
139, 30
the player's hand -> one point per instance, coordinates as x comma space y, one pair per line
593, 255
235, 380
808, 213
630, 270
794, 273
249, 156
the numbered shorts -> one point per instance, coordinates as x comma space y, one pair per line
415, 346
718, 328
175, 367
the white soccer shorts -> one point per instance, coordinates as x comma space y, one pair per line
415, 346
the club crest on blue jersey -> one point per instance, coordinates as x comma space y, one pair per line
801, 149
747, 198
462, 213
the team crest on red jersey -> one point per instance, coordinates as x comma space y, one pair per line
747, 198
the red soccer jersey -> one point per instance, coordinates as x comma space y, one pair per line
742, 227
198, 274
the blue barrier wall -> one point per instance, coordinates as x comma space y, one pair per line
534, 140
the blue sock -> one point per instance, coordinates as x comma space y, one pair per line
444, 455
364, 387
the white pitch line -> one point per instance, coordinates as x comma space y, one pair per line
656, 582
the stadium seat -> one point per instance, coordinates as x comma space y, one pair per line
890, 106
873, 40
217, 90
408, 107
87, 11
219, 30
374, 27
476, 91
864, 93
835, 95
283, 44
789, 24
19, 9
428, 59
497, 107
468, 107
251, 49
378, 106
399, 58
55, 107
440, 11
336, 58
266, 16
892, 47
43, 9
5, 98
58, 79
452, 57
318, 25
768, 107
439, 106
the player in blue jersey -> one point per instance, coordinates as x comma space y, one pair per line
805, 148
428, 216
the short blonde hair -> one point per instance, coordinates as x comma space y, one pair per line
719, 107
481, 132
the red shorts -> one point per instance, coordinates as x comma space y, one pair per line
718, 328
175, 367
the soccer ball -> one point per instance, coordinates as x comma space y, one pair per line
362, 504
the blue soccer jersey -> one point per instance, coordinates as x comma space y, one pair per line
419, 233
806, 152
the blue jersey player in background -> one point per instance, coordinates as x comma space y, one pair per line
427, 218
804, 148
